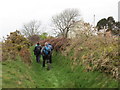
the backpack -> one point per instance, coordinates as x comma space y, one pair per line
47, 50
50, 46
38, 49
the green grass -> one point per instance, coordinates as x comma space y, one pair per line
16, 74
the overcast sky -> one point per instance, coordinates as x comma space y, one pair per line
14, 13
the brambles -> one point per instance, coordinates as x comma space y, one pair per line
59, 44
13, 45
33, 39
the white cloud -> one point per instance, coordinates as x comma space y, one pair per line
14, 13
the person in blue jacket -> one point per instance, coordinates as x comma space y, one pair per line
47, 53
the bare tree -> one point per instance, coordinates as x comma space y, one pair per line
32, 28
63, 21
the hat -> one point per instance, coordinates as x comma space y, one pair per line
38, 43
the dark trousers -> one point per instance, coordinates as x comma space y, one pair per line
38, 58
46, 58
50, 58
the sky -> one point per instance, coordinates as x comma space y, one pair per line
15, 13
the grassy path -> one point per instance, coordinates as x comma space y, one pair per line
61, 76
17, 74
51, 78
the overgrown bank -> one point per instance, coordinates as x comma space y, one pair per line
96, 54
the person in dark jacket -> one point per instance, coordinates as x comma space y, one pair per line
37, 52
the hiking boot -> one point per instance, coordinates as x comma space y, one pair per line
48, 66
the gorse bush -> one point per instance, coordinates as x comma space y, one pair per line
14, 45
95, 54
25, 55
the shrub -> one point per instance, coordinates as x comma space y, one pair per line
95, 54
25, 55
13, 45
